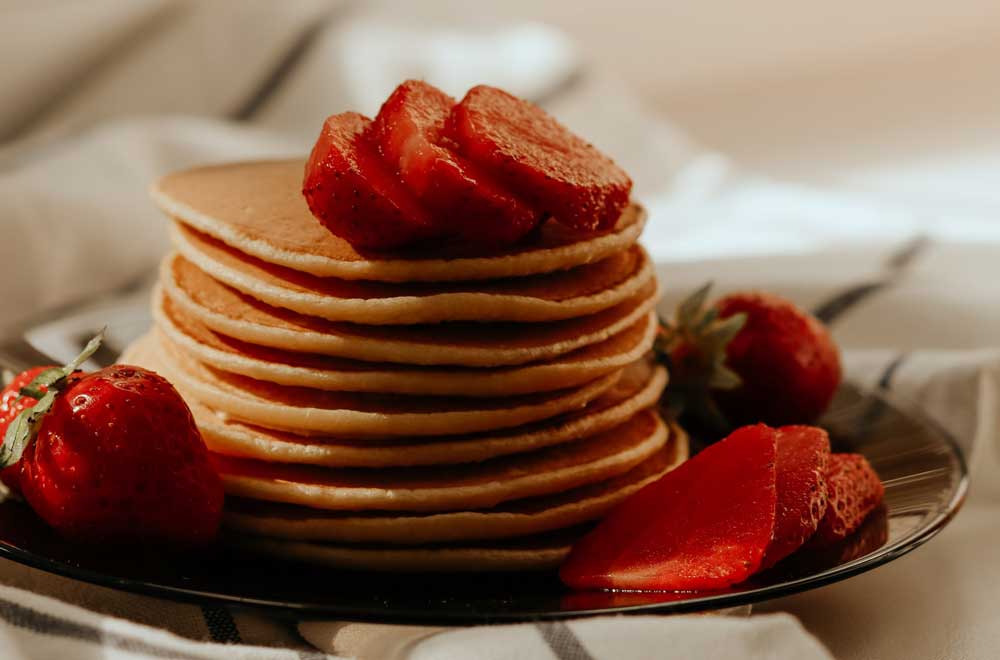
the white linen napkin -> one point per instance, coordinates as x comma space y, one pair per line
771, 637
72, 193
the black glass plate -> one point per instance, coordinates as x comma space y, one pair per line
922, 467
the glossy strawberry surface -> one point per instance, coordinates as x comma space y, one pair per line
118, 458
802, 459
464, 199
356, 195
705, 525
854, 490
529, 152
786, 359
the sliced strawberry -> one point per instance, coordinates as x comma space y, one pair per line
539, 159
853, 491
703, 526
408, 131
354, 195
803, 455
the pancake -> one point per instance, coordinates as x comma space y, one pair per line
517, 518
352, 414
564, 294
258, 209
640, 387
464, 487
237, 315
341, 374
536, 553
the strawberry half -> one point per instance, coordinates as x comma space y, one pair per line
802, 459
539, 159
473, 208
351, 191
853, 491
705, 525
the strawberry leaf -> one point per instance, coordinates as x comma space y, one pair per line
706, 320
691, 306
45, 379
724, 378
44, 387
23, 429
716, 337
693, 347
88, 352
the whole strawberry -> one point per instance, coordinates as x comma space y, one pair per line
788, 363
751, 357
115, 456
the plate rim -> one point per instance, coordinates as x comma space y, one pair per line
927, 530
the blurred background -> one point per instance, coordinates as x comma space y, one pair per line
895, 96
802, 124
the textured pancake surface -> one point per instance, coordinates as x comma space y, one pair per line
313, 411
586, 289
332, 373
640, 387
516, 518
460, 487
258, 209
234, 314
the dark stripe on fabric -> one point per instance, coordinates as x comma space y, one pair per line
561, 88
563, 641
836, 306
284, 67
885, 380
877, 407
34, 621
308, 652
221, 626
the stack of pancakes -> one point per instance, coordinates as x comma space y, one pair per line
434, 411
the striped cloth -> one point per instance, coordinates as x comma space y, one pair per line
127, 93
34, 626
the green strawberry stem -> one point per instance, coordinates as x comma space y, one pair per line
693, 347
44, 387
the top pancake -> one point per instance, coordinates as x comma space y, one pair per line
258, 209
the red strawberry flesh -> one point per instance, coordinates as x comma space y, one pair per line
853, 491
539, 159
351, 191
802, 459
465, 199
703, 526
